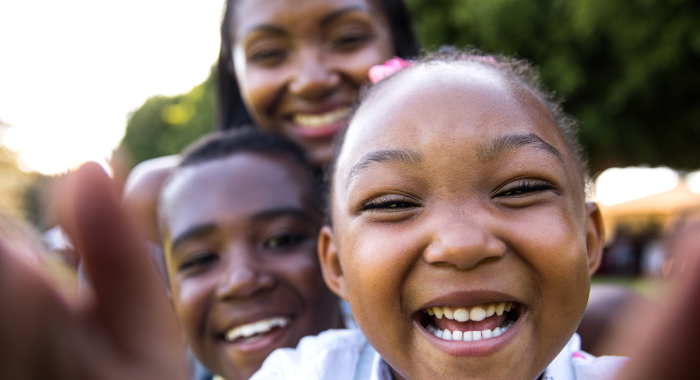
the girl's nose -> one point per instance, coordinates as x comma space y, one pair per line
315, 77
463, 243
244, 276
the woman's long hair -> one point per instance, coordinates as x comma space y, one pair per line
232, 112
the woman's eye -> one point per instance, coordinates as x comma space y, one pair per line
268, 57
350, 41
284, 241
524, 188
389, 203
199, 261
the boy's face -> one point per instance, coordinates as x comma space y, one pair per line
454, 189
240, 241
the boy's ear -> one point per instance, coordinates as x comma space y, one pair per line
595, 236
330, 263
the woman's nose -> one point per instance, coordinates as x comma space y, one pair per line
314, 77
463, 242
244, 275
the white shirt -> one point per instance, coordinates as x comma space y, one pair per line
346, 355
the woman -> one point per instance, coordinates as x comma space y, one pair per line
292, 68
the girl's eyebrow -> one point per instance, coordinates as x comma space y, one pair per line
508, 143
381, 156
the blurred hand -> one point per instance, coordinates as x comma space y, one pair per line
126, 330
667, 344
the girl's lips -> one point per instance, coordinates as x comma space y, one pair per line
483, 347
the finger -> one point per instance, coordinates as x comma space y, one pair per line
32, 314
130, 302
669, 351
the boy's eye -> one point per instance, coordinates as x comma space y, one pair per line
284, 240
522, 188
199, 261
389, 203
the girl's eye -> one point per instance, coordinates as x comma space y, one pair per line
523, 188
198, 262
389, 203
282, 241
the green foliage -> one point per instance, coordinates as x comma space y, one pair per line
628, 69
165, 125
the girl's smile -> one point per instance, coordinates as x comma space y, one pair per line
460, 236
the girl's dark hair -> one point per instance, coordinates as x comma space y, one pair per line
232, 112
518, 71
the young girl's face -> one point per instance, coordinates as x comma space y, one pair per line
300, 64
456, 194
240, 241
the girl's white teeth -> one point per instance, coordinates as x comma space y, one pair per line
473, 313
468, 336
320, 120
259, 327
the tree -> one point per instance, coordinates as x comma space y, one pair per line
165, 125
628, 69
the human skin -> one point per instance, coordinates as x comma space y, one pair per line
240, 238
483, 203
300, 65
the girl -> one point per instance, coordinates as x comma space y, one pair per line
431, 227
459, 233
293, 68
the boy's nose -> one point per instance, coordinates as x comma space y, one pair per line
244, 276
314, 77
463, 243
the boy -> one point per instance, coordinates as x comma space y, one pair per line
240, 217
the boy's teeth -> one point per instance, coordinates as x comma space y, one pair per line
474, 313
320, 120
259, 327
468, 336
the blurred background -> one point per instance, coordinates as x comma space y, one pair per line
123, 83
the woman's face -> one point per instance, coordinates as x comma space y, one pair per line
300, 64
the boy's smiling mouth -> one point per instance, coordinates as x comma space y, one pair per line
469, 323
251, 332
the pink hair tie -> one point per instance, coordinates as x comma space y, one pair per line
390, 67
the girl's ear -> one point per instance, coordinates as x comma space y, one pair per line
595, 236
330, 263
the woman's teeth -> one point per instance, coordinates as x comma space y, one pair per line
320, 120
255, 328
468, 336
473, 313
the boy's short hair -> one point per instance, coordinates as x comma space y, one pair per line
223, 144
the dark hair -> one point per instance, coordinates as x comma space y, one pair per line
520, 72
232, 112
246, 139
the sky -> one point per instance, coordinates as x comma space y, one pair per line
72, 70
